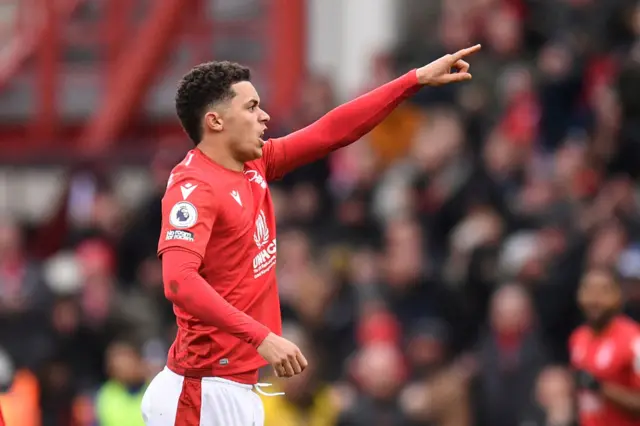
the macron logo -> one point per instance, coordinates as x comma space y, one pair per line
236, 196
187, 189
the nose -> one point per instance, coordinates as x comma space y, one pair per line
265, 117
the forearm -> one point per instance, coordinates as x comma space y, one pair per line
625, 398
186, 288
346, 123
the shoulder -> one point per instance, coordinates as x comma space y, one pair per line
578, 334
106, 391
273, 154
187, 176
627, 333
188, 183
193, 170
187, 197
626, 328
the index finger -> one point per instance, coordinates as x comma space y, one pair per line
466, 52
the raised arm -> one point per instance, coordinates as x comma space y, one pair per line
349, 122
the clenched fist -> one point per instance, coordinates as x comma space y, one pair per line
285, 357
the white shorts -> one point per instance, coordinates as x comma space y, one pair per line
174, 400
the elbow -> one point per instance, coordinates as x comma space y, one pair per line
168, 293
172, 289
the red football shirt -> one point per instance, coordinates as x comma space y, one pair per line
226, 218
611, 356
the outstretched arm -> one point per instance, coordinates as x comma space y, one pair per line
349, 122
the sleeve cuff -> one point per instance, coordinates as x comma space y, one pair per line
260, 333
411, 78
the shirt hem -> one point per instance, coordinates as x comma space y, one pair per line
239, 376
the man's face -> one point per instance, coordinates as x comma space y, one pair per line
599, 297
244, 122
124, 364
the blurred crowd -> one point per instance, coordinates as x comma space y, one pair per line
427, 272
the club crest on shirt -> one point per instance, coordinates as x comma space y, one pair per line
261, 234
183, 215
265, 259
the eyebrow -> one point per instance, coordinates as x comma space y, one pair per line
253, 102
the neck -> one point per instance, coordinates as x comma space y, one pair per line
215, 152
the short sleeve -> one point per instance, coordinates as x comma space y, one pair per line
188, 214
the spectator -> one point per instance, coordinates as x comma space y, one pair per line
24, 298
553, 396
379, 372
119, 398
511, 354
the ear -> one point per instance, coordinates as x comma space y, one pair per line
213, 121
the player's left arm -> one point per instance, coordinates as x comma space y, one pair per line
627, 398
349, 122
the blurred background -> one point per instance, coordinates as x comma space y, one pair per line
429, 271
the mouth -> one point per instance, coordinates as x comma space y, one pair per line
261, 137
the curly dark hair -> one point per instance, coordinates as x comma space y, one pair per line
204, 86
